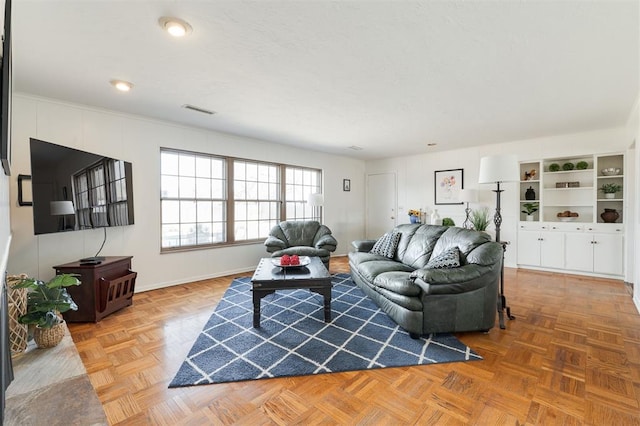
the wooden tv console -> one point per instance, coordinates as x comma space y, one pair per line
106, 287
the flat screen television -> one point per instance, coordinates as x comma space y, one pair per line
74, 190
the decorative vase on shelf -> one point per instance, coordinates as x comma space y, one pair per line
610, 215
610, 195
530, 194
435, 218
413, 219
529, 218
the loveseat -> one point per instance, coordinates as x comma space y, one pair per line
304, 238
412, 276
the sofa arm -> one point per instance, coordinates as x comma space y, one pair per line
327, 242
363, 245
274, 244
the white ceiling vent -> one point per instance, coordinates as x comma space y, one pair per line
198, 109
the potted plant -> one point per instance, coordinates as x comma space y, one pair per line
530, 209
45, 303
610, 189
447, 221
480, 219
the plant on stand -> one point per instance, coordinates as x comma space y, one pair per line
610, 189
480, 219
530, 209
45, 303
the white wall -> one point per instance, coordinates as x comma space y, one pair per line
633, 133
138, 140
416, 174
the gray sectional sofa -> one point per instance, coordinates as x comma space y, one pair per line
424, 297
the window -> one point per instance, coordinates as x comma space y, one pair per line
211, 200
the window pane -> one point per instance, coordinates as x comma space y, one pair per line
187, 187
169, 186
203, 188
239, 170
217, 189
240, 191
188, 234
203, 167
169, 163
187, 165
204, 211
170, 235
217, 168
187, 211
170, 211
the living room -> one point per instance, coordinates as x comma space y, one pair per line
110, 129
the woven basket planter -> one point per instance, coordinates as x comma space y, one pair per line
49, 337
17, 303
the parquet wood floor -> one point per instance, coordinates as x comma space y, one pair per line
571, 357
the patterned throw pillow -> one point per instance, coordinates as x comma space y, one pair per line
387, 244
445, 260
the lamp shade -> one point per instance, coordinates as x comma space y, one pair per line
60, 208
468, 196
499, 168
315, 199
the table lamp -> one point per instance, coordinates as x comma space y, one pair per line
316, 200
468, 196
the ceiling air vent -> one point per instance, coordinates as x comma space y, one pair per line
198, 109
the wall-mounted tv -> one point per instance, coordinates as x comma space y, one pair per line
74, 190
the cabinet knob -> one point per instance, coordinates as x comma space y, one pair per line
553, 227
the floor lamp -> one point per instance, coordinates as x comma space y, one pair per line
62, 208
499, 169
468, 196
316, 200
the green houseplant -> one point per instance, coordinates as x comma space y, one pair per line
610, 189
45, 303
447, 221
530, 208
480, 219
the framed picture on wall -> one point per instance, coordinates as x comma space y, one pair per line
448, 184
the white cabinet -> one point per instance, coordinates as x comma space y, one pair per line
538, 246
577, 228
597, 252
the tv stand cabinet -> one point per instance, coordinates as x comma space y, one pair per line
106, 287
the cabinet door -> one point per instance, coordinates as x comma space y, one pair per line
608, 252
529, 248
552, 249
579, 251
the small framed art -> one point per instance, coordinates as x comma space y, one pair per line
448, 184
346, 184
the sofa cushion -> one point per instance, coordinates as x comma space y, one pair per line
399, 282
387, 244
417, 244
445, 260
370, 270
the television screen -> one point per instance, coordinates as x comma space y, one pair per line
74, 190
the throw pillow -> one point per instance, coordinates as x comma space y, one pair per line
447, 259
387, 244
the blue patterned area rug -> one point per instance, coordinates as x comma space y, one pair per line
294, 340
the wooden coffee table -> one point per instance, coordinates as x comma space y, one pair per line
268, 278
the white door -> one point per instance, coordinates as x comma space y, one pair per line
608, 254
381, 204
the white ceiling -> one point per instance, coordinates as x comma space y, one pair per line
387, 76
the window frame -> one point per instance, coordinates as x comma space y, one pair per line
230, 200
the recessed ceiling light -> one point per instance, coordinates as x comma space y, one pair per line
121, 85
175, 26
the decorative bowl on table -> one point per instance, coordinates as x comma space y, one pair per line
567, 219
611, 171
304, 261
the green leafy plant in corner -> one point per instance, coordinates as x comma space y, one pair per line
582, 165
480, 219
611, 188
530, 208
447, 221
45, 301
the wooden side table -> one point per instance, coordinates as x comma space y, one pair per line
106, 287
